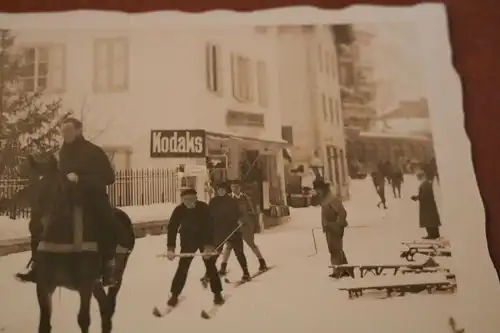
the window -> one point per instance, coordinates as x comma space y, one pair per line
327, 62
338, 111
262, 84
43, 68
342, 167
119, 157
320, 58
214, 70
242, 78
333, 65
111, 65
323, 105
330, 108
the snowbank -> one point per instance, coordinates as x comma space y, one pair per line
18, 228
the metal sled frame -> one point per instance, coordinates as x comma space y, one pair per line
402, 289
379, 270
428, 250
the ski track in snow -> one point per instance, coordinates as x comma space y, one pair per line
296, 296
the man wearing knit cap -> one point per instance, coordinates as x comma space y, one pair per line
226, 215
193, 221
249, 219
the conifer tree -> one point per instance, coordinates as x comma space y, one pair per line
29, 122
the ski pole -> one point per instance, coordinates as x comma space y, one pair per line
314, 242
240, 224
213, 253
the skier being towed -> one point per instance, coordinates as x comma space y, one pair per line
226, 214
193, 221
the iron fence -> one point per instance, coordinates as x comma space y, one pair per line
142, 187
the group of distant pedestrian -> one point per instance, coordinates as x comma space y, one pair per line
334, 215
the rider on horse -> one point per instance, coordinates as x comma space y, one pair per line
88, 167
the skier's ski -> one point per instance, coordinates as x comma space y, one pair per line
162, 311
241, 282
210, 313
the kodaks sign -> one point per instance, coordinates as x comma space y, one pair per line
178, 143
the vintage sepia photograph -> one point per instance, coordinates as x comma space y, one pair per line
246, 177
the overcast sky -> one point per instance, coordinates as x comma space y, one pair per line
395, 51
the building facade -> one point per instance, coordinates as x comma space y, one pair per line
127, 86
308, 86
357, 79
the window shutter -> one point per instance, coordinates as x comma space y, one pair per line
234, 76
57, 68
100, 65
250, 79
262, 84
218, 68
208, 65
119, 64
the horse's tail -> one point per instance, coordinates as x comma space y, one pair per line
125, 229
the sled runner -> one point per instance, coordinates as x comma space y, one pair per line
378, 270
428, 250
402, 288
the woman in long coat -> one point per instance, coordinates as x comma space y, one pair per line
428, 211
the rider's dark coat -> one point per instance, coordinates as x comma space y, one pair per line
92, 215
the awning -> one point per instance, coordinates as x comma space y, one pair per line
256, 143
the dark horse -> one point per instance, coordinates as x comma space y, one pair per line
48, 193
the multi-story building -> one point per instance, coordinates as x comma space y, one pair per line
357, 78
308, 86
211, 90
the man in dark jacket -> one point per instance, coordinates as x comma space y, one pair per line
428, 210
333, 223
226, 214
193, 221
88, 167
249, 219
397, 179
378, 180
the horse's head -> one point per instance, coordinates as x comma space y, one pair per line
40, 171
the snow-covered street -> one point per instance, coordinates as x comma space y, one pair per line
296, 296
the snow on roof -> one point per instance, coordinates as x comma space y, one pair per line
389, 135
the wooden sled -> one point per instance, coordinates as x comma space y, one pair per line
438, 243
428, 250
401, 289
378, 270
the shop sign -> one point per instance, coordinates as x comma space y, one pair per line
178, 143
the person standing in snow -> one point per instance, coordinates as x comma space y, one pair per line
428, 211
249, 219
397, 179
226, 215
333, 222
378, 180
192, 219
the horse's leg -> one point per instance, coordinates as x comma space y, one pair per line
85, 292
121, 264
44, 294
104, 307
